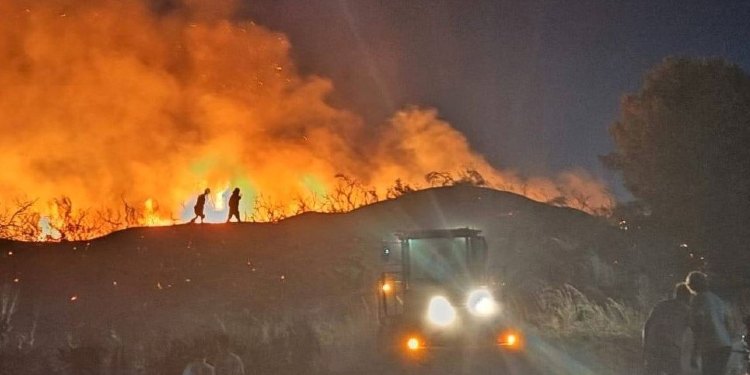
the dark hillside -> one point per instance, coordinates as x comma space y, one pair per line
180, 278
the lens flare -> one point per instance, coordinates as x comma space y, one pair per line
481, 303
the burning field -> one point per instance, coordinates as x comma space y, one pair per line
118, 113
369, 244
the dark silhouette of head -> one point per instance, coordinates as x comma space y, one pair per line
682, 292
697, 282
236, 191
207, 191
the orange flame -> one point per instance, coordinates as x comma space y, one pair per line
111, 102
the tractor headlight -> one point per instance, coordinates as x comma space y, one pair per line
440, 312
481, 303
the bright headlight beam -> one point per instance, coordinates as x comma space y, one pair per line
440, 312
485, 306
481, 303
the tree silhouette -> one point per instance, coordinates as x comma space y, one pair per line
682, 146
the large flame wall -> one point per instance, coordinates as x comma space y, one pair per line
108, 100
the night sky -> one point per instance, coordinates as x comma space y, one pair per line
534, 85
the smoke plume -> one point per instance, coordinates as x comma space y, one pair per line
105, 100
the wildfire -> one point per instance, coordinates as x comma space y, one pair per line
117, 103
152, 216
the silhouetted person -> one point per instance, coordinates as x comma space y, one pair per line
710, 322
664, 332
227, 363
199, 205
234, 205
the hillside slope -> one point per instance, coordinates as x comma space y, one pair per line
178, 278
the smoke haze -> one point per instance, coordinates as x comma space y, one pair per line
103, 100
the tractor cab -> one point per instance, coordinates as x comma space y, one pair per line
454, 258
434, 292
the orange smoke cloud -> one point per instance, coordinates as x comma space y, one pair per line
110, 100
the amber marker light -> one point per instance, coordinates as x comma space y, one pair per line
512, 340
386, 287
413, 343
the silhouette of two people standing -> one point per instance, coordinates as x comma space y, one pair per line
234, 206
695, 307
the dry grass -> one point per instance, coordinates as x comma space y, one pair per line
566, 311
327, 340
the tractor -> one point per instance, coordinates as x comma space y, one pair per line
436, 302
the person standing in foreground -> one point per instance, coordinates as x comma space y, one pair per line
710, 322
234, 205
199, 205
664, 332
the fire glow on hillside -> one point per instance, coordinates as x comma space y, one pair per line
113, 104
